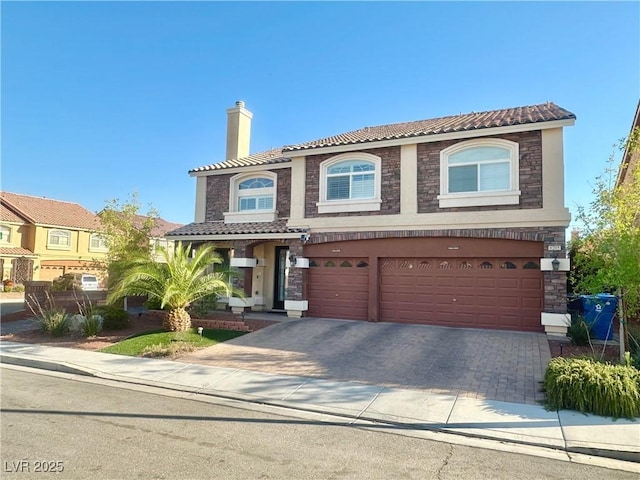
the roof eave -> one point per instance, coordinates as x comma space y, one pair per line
231, 236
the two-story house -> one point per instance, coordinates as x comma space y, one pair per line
44, 238
456, 221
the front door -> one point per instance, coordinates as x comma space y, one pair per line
281, 273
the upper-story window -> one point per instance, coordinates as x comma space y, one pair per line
59, 239
255, 194
350, 182
479, 172
5, 234
252, 198
97, 243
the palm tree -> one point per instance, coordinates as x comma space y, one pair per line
177, 283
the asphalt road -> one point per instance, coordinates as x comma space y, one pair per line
82, 428
11, 305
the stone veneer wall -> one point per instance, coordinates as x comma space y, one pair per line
390, 183
218, 194
530, 147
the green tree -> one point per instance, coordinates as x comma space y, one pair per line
607, 256
127, 233
176, 283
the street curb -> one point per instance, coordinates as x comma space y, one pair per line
46, 365
625, 456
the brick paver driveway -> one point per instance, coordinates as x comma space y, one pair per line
492, 364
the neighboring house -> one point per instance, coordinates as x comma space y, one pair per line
456, 221
630, 160
158, 239
44, 238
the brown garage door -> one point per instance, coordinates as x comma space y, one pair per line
338, 288
505, 293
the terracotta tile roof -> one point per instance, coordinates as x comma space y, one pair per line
8, 215
269, 157
161, 226
15, 251
46, 211
457, 123
221, 228
545, 112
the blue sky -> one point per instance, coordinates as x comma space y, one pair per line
100, 99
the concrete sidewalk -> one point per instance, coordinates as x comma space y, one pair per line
412, 409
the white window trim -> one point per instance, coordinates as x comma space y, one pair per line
235, 216
3, 240
98, 249
51, 246
474, 199
356, 204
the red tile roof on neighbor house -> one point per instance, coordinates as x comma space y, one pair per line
160, 228
7, 215
531, 114
15, 251
45, 211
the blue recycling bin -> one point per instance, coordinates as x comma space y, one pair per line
598, 312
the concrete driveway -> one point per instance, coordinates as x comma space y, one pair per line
491, 364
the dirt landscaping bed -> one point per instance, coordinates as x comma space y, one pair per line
138, 324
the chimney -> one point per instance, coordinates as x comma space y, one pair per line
238, 131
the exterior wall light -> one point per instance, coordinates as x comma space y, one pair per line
555, 264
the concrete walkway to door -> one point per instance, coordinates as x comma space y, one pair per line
485, 364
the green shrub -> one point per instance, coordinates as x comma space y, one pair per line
54, 321
578, 331
114, 318
92, 326
153, 303
63, 283
592, 387
202, 307
18, 288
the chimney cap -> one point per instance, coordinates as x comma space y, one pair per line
239, 103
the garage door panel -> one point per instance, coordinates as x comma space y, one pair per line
532, 283
490, 283
504, 301
338, 288
490, 292
532, 302
445, 281
464, 282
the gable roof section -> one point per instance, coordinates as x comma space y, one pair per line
45, 211
8, 215
546, 112
270, 157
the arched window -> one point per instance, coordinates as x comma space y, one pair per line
479, 172
350, 182
252, 198
255, 194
